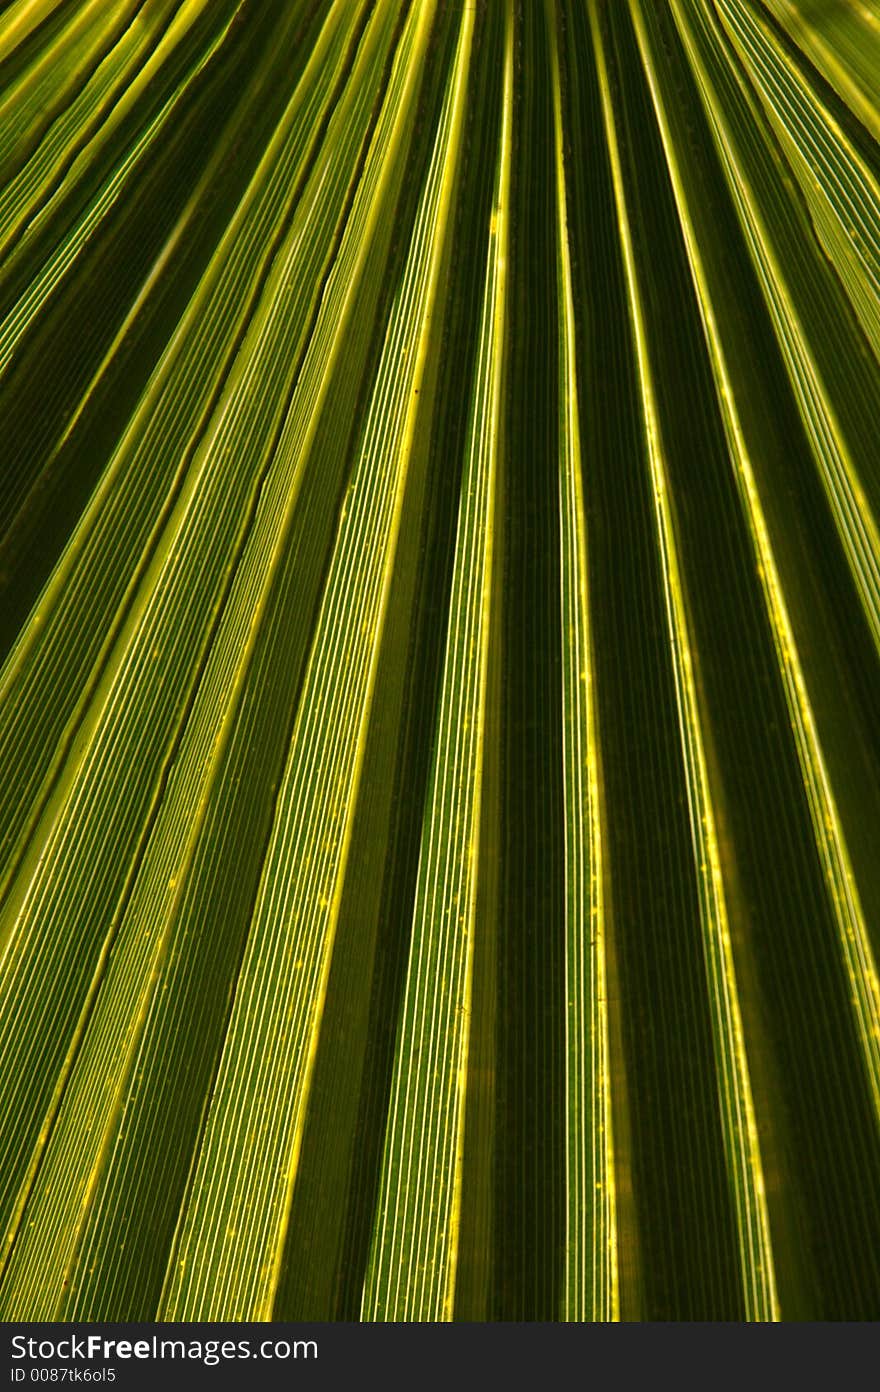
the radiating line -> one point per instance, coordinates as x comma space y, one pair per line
854, 940
737, 1110
412, 1265
591, 1275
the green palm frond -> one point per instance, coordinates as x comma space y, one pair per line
440, 639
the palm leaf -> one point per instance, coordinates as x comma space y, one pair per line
440, 633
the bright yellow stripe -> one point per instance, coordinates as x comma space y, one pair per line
412, 1265
285, 973
591, 1268
843, 892
820, 52
853, 516
94, 1097
497, 354
20, 20
737, 1111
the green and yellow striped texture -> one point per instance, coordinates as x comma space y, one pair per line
440, 637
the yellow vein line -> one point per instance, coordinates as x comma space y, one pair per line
203, 763
412, 1265
853, 515
320, 789
794, 106
843, 892
63, 256
157, 599
808, 38
591, 1268
20, 20
737, 1111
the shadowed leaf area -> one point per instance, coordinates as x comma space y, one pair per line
440, 660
